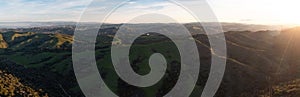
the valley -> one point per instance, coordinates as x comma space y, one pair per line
259, 63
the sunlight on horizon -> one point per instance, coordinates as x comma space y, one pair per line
258, 11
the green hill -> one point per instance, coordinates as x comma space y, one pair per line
31, 40
254, 62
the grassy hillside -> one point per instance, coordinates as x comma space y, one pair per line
12, 86
31, 40
3, 43
252, 62
42, 56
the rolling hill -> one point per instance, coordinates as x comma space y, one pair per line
3, 43
254, 61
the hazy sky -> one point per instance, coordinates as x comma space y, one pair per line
243, 11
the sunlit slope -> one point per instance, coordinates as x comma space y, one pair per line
33, 40
280, 65
38, 49
284, 89
11, 86
249, 62
3, 43
288, 53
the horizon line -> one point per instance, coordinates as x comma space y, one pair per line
290, 24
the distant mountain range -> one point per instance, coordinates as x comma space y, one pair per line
32, 24
226, 26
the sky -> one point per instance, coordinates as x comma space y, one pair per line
238, 11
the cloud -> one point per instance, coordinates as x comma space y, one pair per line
129, 12
156, 6
71, 10
41, 10
131, 2
246, 20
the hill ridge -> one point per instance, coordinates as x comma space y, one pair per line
3, 43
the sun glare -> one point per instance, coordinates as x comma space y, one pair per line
287, 11
281, 11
